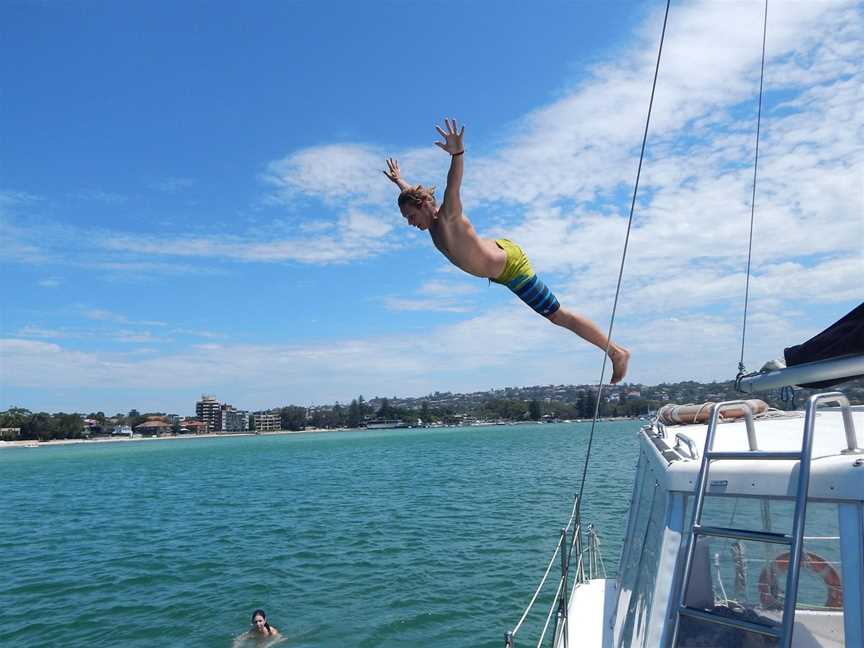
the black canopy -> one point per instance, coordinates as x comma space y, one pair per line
844, 337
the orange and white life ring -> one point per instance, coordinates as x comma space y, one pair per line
815, 563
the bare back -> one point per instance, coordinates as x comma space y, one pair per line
455, 237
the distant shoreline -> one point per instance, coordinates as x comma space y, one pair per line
32, 443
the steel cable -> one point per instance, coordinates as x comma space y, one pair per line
623, 257
753, 195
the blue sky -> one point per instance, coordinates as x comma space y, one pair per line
191, 197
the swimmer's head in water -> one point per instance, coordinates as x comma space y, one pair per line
259, 621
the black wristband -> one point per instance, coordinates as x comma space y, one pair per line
459, 153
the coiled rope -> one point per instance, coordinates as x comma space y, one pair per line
623, 259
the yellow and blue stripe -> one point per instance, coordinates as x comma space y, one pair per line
536, 294
519, 277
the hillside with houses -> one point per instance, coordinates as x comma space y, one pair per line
543, 403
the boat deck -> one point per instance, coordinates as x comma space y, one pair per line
783, 431
836, 473
590, 611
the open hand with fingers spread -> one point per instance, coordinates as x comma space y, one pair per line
452, 137
392, 171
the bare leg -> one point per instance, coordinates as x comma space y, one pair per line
589, 331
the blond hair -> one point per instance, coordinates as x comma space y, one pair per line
416, 196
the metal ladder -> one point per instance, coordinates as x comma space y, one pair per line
781, 631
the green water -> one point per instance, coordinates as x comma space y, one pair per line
384, 538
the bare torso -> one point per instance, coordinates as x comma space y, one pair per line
456, 238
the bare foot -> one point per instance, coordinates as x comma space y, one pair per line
620, 357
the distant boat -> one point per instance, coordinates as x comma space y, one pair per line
385, 424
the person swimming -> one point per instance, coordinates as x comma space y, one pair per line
260, 630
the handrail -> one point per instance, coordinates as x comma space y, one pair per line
717, 411
686, 440
848, 422
594, 553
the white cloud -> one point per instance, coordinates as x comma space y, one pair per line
100, 314
315, 226
482, 346
430, 305
32, 331
511, 345
333, 172
437, 288
437, 296
358, 235
103, 315
212, 335
10, 198
357, 223
19, 244
343, 173
137, 336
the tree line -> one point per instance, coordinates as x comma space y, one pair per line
359, 411
42, 426
580, 404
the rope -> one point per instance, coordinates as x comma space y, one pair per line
753, 196
537, 591
576, 531
549, 616
623, 258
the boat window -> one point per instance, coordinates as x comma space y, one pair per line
643, 562
747, 579
643, 498
639, 516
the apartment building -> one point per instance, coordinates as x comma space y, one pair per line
234, 420
209, 412
267, 422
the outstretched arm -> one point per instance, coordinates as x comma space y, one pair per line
394, 175
451, 207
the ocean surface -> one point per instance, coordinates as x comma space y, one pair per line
427, 537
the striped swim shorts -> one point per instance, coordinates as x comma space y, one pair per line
519, 277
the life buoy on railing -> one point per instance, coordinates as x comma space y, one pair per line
815, 563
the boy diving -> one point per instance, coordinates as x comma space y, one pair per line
501, 261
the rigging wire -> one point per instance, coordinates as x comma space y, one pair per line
753, 196
623, 259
